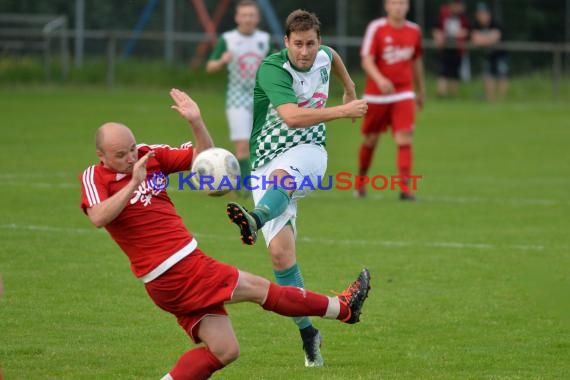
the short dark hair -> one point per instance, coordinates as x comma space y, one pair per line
300, 21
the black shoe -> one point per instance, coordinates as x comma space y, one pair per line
355, 296
246, 223
406, 196
312, 348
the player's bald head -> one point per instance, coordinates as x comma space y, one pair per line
112, 134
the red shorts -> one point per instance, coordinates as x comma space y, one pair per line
400, 116
194, 287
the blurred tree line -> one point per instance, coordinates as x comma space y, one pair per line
524, 20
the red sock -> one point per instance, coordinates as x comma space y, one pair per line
365, 158
196, 364
405, 163
295, 302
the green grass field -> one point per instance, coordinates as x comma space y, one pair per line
470, 282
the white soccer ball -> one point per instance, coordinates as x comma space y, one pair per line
215, 171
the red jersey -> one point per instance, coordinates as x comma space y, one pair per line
148, 230
394, 50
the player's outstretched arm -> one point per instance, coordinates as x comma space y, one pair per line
189, 110
339, 70
296, 117
215, 65
105, 212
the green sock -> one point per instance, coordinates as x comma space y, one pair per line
271, 205
293, 277
245, 170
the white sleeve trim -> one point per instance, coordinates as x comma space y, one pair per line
90, 188
369, 35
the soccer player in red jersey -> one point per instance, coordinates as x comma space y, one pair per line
391, 56
126, 194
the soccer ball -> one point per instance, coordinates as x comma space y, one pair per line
215, 171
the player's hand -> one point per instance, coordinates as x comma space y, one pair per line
420, 100
348, 96
226, 57
139, 169
185, 106
355, 108
386, 86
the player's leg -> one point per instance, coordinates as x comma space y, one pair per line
272, 204
456, 59
374, 123
502, 76
403, 118
240, 124
291, 301
288, 273
442, 89
221, 348
242, 154
217, 333
280, 180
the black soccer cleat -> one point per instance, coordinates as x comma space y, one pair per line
355, 295
312, 349
247, 225
407, 196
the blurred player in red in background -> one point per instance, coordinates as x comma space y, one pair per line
391, 56
164, 255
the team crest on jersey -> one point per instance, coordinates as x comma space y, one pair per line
388, 39
144, 194
261, 45
324, 75
248, 64
395, 54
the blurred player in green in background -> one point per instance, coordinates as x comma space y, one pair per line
241, 50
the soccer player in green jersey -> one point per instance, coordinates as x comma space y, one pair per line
287, 147
241, 50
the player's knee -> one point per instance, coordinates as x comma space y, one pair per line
251, 288
282, 257
403, 138
371, 140
226, 353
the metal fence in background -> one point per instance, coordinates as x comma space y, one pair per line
172, 30
52, 41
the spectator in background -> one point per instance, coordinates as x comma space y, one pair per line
450, 37
486, 34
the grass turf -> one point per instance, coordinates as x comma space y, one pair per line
471, 281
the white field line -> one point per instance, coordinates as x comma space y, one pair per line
306, 239
449, 199
41, 185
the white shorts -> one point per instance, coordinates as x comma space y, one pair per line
306, 162
240, 121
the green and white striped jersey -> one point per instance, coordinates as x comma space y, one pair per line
279, 82
247, 53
